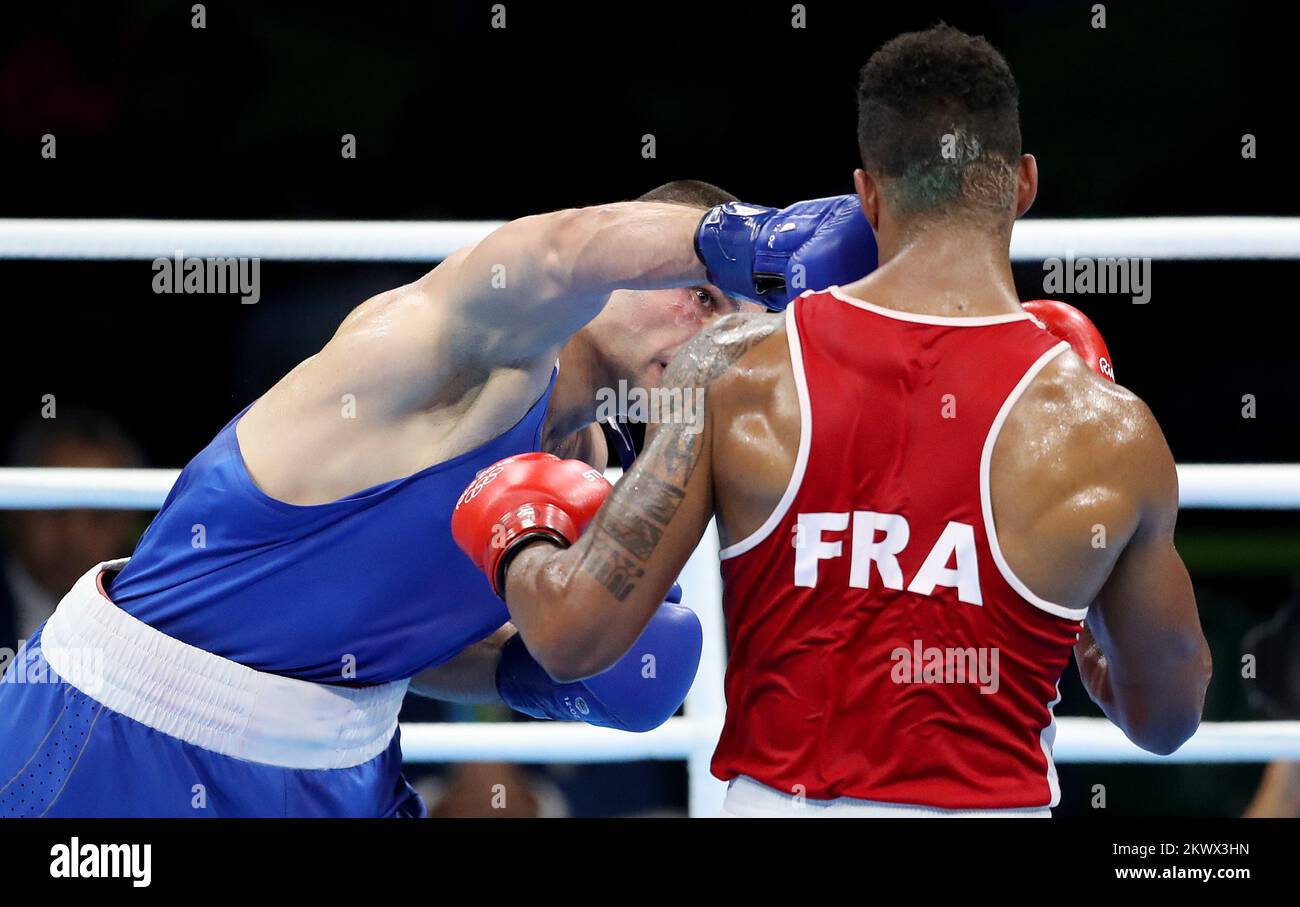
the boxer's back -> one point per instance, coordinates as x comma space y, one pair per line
887, 641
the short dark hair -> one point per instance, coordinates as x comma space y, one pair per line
939, 123
695, 193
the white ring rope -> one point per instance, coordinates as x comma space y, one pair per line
101, 489
288, 240
1199, 238
1088, 740
1247, 486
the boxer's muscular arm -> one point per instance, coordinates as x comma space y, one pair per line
429, 370
1142, 655
528, 286
1080, 461
582, 608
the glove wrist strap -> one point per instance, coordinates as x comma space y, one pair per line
522, 526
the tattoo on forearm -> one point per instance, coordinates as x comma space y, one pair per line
612, 568
634, 532
639, 525
633, 521
658, 499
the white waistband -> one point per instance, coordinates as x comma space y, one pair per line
209, 701
747, 798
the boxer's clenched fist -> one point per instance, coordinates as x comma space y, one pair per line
770, 256
520, 499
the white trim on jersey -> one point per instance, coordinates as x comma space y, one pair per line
972, 321
1047, 740
805, 444
986, 498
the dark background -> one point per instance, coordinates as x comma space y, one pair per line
454, 119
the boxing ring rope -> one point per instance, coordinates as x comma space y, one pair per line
1077, 740
1196, 238
1246, 486
1202, 485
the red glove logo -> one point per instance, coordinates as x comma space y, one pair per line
480, 482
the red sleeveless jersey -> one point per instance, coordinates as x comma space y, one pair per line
880, 646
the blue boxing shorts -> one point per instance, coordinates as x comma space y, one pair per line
102, 715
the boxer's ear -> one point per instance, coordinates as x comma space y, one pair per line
869, 194
1026, 183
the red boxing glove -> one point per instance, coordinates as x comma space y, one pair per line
1072, 326
521, 498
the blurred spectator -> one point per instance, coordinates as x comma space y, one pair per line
479, 790
1278, 796
494, 789
1274, 691
46, 551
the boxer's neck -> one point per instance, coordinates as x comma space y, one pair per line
573, 402
945, 270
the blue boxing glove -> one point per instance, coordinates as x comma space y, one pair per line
770, 256
639, 693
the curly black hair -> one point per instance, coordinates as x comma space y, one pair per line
939, 123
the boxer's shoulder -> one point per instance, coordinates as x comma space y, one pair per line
753, 405
1076, 452
1068, 405
384, 399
